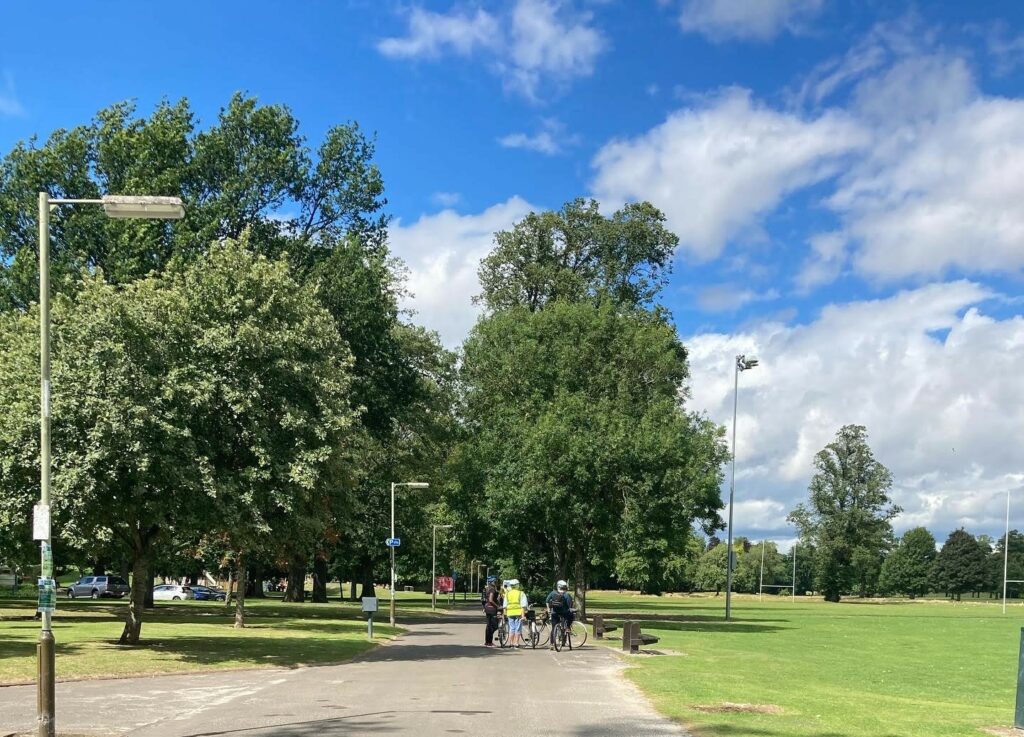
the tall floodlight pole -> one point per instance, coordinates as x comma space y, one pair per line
472, 574
408, 485
157, 208
794, 571
1006, 549
742, 364
433, 568
760, 586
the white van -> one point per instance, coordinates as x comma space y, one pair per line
8, 578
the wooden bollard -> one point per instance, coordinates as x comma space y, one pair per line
598, 626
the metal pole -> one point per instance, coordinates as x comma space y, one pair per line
46, 649
392, 619
794, 571
760, 587
1006, 548
732, 491
433, 574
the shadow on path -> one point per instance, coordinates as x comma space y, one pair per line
375, 722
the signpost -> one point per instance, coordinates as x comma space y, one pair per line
369, 606
393, 542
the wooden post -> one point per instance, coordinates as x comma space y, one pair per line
599, 626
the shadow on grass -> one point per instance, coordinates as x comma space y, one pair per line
745, 627
738, 730
718, 617
285, 652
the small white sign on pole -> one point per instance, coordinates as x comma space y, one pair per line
369, 603
41, 522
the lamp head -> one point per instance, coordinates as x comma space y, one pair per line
743, 363
143, 207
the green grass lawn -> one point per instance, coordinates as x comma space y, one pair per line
190, 636
895, 669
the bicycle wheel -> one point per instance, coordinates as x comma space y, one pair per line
559, 637
502, 633
578, 634
534, 634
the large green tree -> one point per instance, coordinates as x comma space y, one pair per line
847, 517
577, 423
575, 253
579, 454
907, 569
961, 565
208, 398
251, 170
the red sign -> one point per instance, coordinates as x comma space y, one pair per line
444, 584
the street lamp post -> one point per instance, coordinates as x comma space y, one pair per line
164, 208
742, 364
472, 574
408, 485
433, 568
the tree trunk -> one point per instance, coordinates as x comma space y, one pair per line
137, 602
352, 590
99, 568
580, 584
296, 589
255, 578
150, 583
230, 591
240, 596
320, 575
124, 568
368, 589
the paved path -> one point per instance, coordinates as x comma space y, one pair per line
435, 681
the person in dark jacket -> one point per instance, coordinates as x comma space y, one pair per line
492, 605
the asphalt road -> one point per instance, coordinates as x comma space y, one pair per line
437, 680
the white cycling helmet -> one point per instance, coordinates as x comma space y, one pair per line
513, 582
561, 585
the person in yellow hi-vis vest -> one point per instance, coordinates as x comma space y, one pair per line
515, 610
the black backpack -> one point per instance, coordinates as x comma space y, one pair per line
560, 602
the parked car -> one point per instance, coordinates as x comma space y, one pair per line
208, 593
8, 578
96, 587
172, 592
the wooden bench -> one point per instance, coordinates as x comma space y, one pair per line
600, 628
633, 639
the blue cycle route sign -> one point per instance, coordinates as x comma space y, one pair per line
393, 542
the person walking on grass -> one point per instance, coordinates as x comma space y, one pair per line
515, 608
492, 605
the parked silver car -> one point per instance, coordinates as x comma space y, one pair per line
172, 592
96, 587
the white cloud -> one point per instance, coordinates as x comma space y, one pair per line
760, 20
829, 255
549, 39
933, 378
528, 42
550, 140
715, 169
446, 199
942, 186
731, 297
442, 253
9, 103
432, 34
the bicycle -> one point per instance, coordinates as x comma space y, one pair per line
573, 635
531, 630
502, 631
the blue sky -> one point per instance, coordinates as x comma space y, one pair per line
846, 179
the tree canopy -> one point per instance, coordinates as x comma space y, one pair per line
847, 517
